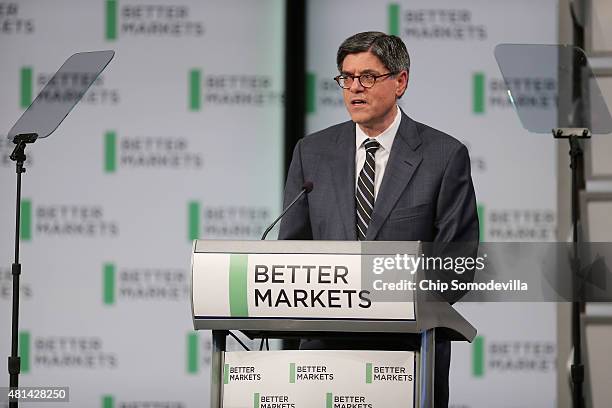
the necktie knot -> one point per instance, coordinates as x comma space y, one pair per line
371, 146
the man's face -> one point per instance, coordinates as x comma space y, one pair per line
372, 108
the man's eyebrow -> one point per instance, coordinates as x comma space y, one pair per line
365, 71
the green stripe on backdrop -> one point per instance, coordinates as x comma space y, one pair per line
108, 401
292, 373
478, 92
195, 89
110, 152
368, 378
111, 20
311, 92
109, 284
193, 220
478, 357
24, 351
192, 353
394, 19
26, 87
238, 285
25, 224
481, 221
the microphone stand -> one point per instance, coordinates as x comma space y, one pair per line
306, 188
14, 361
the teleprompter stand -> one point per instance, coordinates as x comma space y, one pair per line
38, 121
19, 157
576, 110
576, 153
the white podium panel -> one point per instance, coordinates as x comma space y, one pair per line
330, 379
321, 286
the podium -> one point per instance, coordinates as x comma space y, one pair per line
313, 289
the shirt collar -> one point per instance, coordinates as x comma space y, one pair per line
385, 138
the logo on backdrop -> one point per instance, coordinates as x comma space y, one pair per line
65, 220
512, 356
531, 93
124, 19
435, 24
322, 93
517, 224
198, 352
229, 90
110, 401
124, 284
226, 221
64, 88
6, 286
13, 22
69, 352
149, 152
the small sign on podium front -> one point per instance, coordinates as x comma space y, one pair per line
325, 379
282, 286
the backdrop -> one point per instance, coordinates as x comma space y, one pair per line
181, 138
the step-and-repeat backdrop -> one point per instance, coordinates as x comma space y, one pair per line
456, 86
180, 137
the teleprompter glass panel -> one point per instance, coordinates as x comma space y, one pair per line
552, 86
63, 91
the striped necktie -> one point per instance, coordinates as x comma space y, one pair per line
365, 189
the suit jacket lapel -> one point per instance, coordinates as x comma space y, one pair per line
403, 162
343, 173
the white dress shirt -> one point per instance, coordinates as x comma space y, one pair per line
382, 154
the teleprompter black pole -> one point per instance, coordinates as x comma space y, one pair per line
577, 368
577, 11
576, 164
14, 361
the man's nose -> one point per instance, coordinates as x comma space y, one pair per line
356, 86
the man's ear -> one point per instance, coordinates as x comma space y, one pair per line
402, 83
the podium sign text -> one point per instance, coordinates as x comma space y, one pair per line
325, 379
298, 286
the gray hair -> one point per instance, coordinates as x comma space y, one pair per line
390, 49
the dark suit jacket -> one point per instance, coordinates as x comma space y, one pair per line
426, 195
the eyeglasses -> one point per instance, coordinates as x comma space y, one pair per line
366, 80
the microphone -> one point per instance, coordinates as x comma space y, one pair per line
306, 188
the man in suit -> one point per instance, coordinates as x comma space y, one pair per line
381, 175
